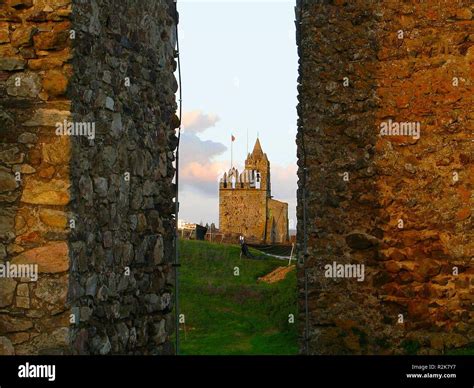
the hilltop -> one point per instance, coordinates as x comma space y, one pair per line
232, 315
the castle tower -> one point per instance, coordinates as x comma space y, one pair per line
245, 203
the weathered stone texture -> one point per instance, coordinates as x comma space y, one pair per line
95, 214
34, 180
359, 184
121, 198
243, 212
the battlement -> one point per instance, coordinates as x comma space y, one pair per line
255, 176
247, 179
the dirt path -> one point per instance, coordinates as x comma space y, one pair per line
276, 275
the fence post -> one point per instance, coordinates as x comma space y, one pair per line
291, 254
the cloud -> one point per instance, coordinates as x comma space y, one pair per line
197, 167
196, 121
193, 149
203, 177
198, 170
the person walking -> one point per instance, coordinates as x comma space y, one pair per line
244, 249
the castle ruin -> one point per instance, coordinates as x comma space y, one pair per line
91, 210
385, 151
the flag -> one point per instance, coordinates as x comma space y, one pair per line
232, 138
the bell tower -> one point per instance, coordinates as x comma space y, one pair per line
246, 206
258, 166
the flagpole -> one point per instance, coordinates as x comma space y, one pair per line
231, 152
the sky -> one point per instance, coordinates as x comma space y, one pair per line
239, 75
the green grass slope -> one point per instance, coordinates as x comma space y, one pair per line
233, 315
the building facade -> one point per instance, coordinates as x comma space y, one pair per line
246, 206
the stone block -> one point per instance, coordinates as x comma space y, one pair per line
54, 192
51, 258
6, 347
55, 83
53, 218
7, 291
7, 180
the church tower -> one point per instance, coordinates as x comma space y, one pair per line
246, 206
259, 167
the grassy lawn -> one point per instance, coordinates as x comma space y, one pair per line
234, 315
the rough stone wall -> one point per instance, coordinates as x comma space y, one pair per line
251, 213
243, 211
122, 181
95, 213
34, 174
400, 205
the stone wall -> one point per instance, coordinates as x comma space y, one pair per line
243, 212
400, 204
94, 212
34, 174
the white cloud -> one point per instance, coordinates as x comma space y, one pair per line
196, 121
203, 177
198, 170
